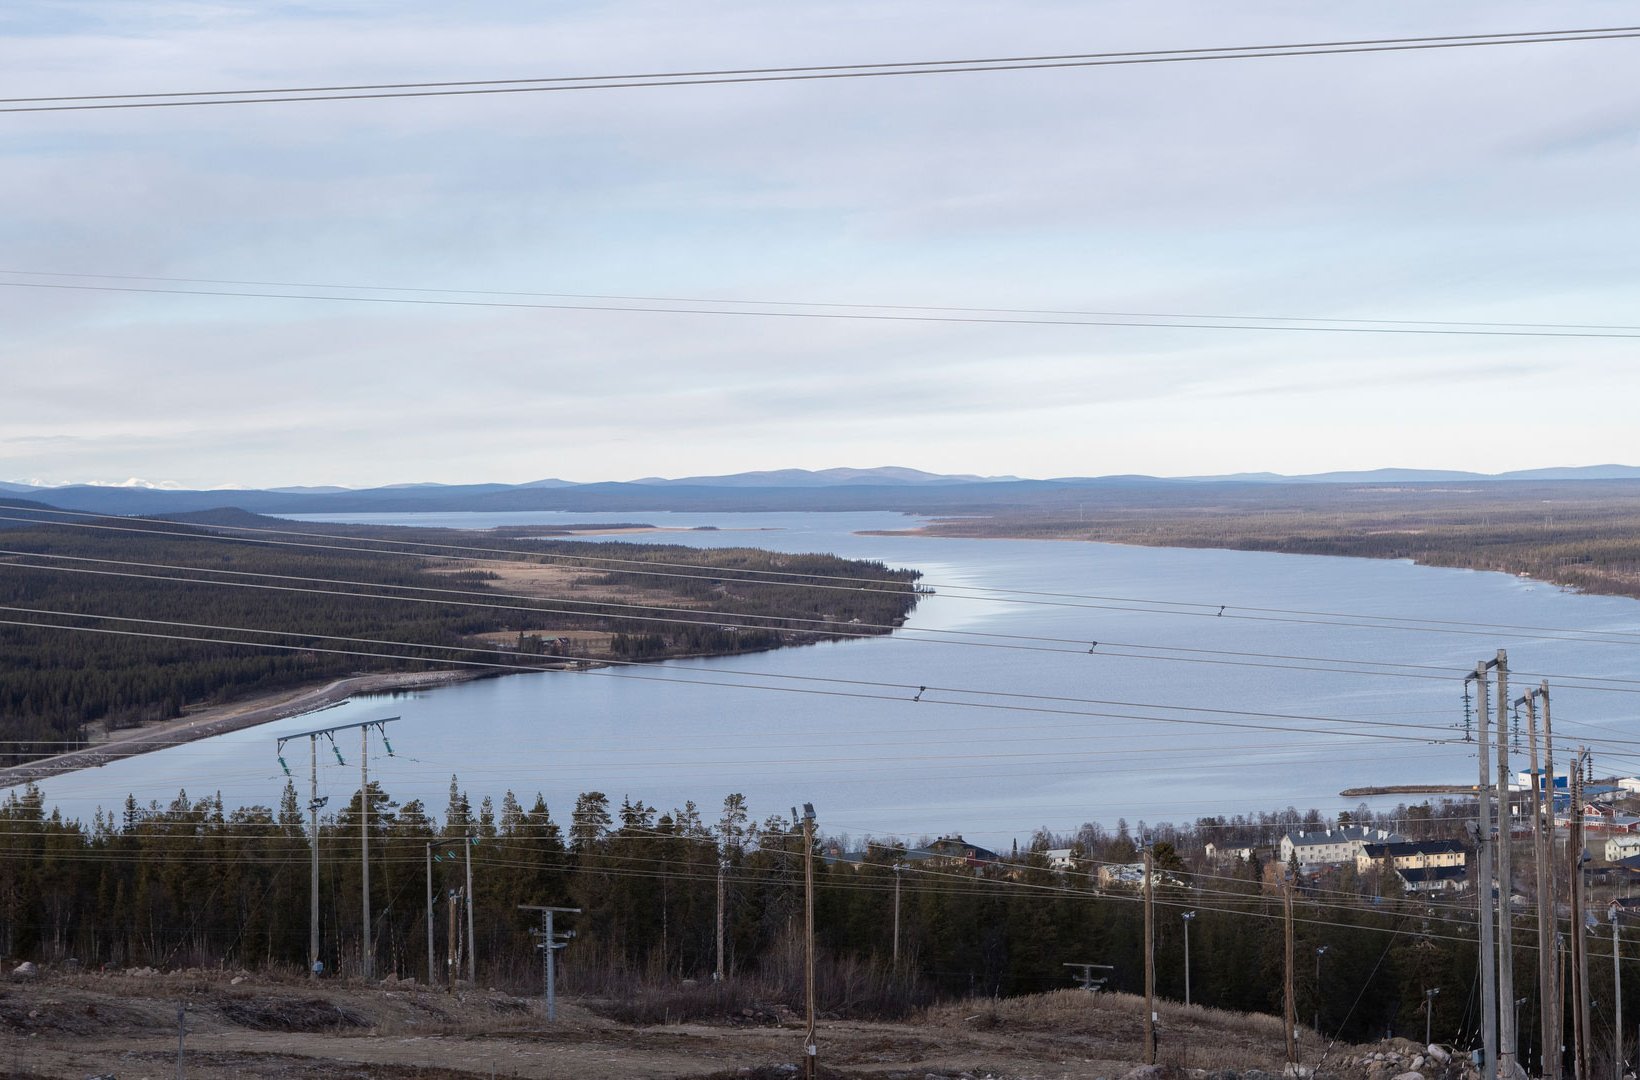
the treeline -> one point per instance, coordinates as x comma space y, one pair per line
193, 884
131, 621
1584, 534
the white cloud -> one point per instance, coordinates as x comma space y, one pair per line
1486, 183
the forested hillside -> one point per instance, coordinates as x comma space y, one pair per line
110, 623
191, 884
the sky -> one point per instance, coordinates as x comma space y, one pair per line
1471, 185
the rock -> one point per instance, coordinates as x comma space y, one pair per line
1439, 1054
1221, 1074
1409, 1076
1256, 1074
1145, 1072
236, 980
26, 970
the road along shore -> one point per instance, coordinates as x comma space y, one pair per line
221, 719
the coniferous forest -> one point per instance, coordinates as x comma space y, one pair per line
112, 623
191, 884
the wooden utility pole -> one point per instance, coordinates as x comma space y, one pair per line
1617, 999
811, 1053
432, 971
1508, 1040
722, 873
1150, 960
899, 868
1289, 999
717, 972
1577, 932
1559, 997
472, 942
450, 944
1187, 918
1483, 881
367, 955
314, 804
1549, 1066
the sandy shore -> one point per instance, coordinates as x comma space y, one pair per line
222, 719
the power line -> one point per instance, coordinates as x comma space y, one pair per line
660, 568
487, 600
824, 315
1233, 321
730, 76
630, 674
541, 608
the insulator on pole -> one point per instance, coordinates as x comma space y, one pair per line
282, 765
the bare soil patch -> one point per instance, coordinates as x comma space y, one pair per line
286, 1028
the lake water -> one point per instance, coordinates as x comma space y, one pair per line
1178, 712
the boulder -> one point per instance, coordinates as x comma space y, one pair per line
1145, 1072
26, 970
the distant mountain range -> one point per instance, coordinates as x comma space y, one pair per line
888, 488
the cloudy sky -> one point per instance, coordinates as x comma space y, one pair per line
1460, 185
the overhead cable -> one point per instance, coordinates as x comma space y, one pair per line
808, 73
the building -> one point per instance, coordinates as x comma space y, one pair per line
1128, 875
1217, 854
1422, 879
1328, 847
1622, 846
1061, 859
1412, 855
1132, 876
953, 850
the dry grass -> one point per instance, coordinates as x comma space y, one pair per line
1112, 1025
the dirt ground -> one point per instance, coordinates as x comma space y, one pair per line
81, 1026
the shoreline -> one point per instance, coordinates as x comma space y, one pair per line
932, 532
222, 719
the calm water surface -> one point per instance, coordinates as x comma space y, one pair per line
1021, 726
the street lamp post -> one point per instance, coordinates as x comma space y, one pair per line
1189, 915
1429, 1011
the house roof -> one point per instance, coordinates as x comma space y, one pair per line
1417, 875
1405, 848
1339, 834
